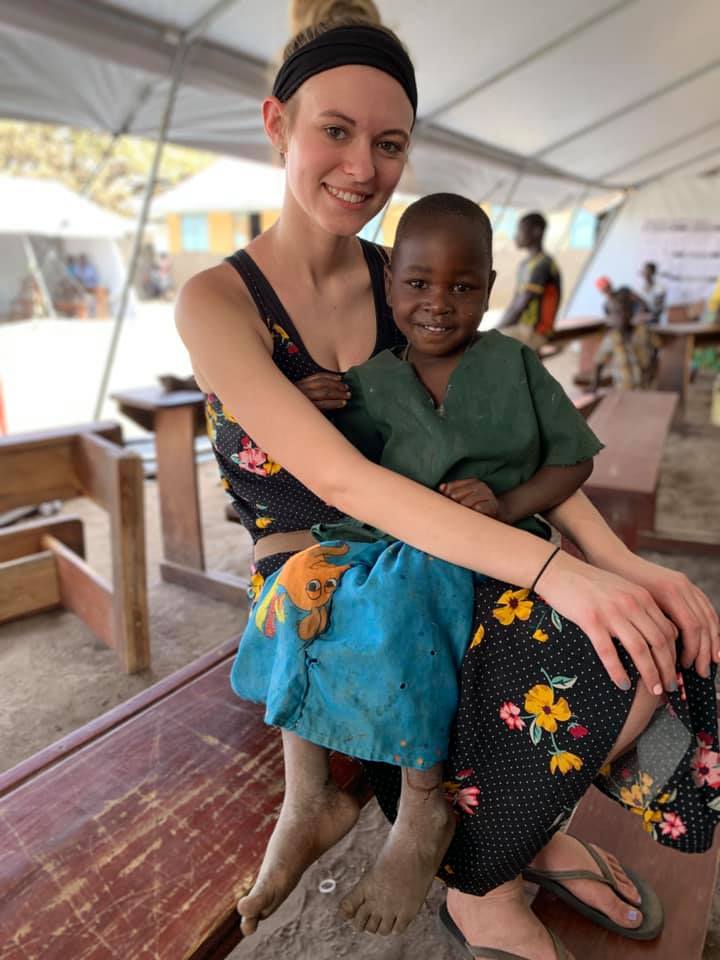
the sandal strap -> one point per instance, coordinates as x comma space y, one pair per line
606, 877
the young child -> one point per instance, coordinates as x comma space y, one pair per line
628, 349
355, 643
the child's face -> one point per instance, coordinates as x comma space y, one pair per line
439, 286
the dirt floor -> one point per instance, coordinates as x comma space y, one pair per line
54, 676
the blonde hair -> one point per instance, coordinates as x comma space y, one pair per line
310, 19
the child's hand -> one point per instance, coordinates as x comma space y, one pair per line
472, 493
326, 390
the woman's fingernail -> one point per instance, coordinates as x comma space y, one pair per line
657, 689
624, 684
633, 915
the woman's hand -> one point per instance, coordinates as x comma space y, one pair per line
326, 390
606, 606
684, 603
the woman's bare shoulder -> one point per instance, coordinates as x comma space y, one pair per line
216, 304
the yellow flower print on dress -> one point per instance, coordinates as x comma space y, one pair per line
257, 582
512, 604
540, 700
271, 467
478, 638
565, 762
540, 636
263, 522
544, 713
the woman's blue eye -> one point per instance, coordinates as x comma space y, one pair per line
389, 146
337, 133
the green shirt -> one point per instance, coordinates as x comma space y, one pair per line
502, 419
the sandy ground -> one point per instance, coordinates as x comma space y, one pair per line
54, 675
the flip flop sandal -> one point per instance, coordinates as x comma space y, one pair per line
652, 910
454, 933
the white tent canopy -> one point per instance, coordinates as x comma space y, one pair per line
674, 223
242, 186
48, 209
574, 96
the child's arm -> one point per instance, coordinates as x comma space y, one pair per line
546, 489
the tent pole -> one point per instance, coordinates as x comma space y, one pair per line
515, 183
598, 247
186, 41
140, 229
37, 274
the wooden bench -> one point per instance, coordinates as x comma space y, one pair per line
135, 835
176, 418
42, 563
679, 342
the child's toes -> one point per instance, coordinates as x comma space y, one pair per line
350, 904
362, 916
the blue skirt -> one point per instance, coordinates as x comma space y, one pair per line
356, 646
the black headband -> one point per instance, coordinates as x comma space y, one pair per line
340, 47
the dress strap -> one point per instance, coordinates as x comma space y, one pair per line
258, 287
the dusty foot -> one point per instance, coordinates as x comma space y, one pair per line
505, 922
565, 853
391, 894
309, 824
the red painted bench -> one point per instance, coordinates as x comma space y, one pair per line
135, 835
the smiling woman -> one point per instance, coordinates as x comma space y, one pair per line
269, 333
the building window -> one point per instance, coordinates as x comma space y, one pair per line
582, 232
195, 233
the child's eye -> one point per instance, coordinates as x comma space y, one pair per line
390, 147
417, 284
336, 133
460, 288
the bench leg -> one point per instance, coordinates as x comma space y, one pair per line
178, 487
131, 632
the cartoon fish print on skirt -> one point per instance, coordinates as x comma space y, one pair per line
309, 579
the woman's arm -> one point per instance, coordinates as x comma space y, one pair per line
229, 353
685, 604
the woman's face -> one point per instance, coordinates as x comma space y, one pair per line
346, 142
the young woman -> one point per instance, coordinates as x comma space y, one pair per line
341, 115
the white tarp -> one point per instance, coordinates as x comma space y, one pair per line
58, 223
570, 94
676, 224
241, 186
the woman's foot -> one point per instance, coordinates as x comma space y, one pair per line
564, 852
502, 920
391, 894
310, 822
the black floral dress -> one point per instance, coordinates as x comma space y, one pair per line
538, 713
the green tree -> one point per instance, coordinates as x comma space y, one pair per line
73, 157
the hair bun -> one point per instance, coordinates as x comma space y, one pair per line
306, 14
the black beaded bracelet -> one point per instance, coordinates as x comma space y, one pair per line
544, 567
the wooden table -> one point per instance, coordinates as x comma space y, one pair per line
679, 340
176, 419
634, 426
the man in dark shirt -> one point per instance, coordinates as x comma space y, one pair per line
531, 315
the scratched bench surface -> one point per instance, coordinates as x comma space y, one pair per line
168, 816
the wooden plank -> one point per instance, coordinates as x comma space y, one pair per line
19, 541
220, 586
28, 585
178, 487
30, 476
37, 439
107, 848
82, 591
634, 425
673, 373
685, 884
96, 465
680, 541
131, 622
145, 700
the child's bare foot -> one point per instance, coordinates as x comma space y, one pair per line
310, 823
390, 896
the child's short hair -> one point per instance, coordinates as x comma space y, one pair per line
428, 209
